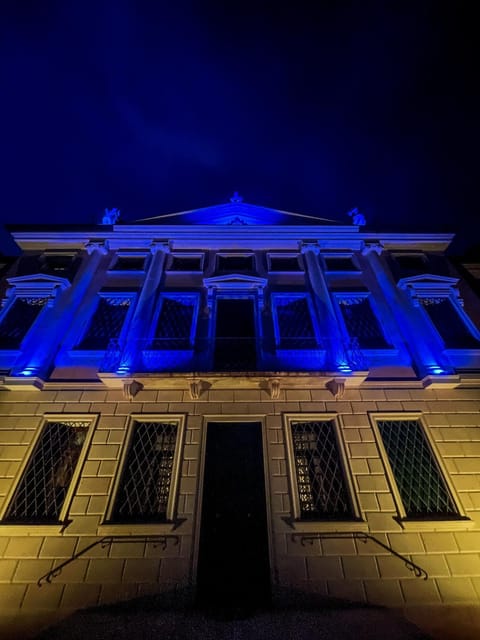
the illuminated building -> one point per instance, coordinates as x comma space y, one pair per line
238, 404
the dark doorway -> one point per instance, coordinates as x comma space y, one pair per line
235, 348
233, 564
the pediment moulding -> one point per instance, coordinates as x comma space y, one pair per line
37, 285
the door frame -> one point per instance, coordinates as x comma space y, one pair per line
225, 418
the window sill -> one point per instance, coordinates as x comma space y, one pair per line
151, 529
32, 529
460, 524
320, 526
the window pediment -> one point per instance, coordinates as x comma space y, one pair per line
235, 281
37, 284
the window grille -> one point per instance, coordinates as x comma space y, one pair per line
295, 326
144, 490
20, 317
449, 324
422, 488
106, 323
361, 323
41, 492
174, 326
321, 483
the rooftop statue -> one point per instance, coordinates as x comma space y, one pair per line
357, 217
236, 197
111, 216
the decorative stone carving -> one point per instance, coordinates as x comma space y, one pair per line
336, 386
372, 247
274, 388
97, 245
130, 389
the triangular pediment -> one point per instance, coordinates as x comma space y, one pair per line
235, 281
429, 284
38, 282
238, 214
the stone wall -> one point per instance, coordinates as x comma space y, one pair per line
335, 568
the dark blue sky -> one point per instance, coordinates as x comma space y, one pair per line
154, 107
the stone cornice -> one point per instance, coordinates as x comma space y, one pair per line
218, 237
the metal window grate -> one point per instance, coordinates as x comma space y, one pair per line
175, 324
106, 323
421, 485
295, 323
362, 324
44, 484
320, 478
449, 325
19, 319
145, 484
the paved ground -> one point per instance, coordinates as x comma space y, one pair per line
143, 620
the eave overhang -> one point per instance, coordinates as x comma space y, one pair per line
241, 237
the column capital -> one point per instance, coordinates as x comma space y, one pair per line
369, 247
309, 245
95, 244
159, 244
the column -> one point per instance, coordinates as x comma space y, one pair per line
42, 343
337, 359
142, 316
414, 328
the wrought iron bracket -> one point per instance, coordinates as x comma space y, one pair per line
107, 541
307, 538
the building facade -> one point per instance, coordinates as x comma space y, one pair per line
238, 405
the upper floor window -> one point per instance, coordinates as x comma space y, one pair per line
41, 493
321, 482
176, 321
107, 321
130, 262
17, 320
412, 262
438, 298
294, 321
418, 481
146, 489
361, 323
283, 263
340, 263
59, 263
448, 322
185, 262
235, 263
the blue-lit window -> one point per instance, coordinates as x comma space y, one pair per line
18, 319
175, 323
451, 322
294, 323
106, 323
283, 263
340, 263
414, 469
360, 321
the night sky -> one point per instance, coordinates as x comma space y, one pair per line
155, 107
